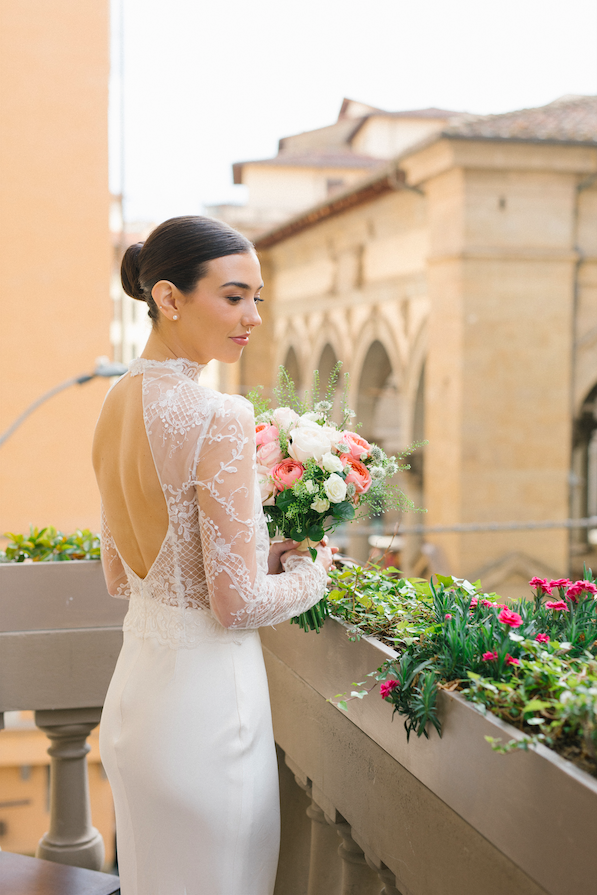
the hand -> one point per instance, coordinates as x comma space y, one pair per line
276, 551
325, 554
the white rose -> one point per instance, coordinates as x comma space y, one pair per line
307, 418
310, 486
335, 488
331, 463
266, 486
306, 444
284, 417
320, 505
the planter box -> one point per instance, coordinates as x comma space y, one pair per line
60, 635
446, 815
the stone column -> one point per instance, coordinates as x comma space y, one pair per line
71, 838
324, 867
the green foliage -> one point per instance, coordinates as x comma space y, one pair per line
49, 545
448, 634
260, 404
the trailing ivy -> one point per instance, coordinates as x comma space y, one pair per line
49, 545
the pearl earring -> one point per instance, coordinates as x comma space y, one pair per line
175, 316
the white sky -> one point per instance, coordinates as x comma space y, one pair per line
211, 82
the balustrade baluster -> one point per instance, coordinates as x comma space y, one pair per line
386, 876
324, 867
357, 878
71, 838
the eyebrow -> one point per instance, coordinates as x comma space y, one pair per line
240, 285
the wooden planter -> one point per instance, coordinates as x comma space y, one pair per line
60, 635
448, 816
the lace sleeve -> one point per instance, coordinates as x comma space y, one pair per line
241, 594
116, 580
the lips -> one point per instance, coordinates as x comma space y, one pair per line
240, 340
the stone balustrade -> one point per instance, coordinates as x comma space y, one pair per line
363, 811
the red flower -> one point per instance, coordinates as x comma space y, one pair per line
559, 582
386, 688
580, 587
510, 660
541, 585
510, 618
489, 657
542, 638
558, 605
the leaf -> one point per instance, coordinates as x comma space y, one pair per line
315, 532
536, 705
344, 511
285, 498
342, 705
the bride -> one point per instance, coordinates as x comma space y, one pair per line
186, 736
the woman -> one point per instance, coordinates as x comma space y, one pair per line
186, 735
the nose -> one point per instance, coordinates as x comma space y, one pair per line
251, 316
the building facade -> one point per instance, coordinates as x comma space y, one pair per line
458, 285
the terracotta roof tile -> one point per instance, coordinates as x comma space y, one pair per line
570, 119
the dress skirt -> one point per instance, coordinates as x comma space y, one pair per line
186, 741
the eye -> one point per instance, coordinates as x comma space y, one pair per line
234, 298
258, 298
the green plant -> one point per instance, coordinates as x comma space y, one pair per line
532, 663
49, 545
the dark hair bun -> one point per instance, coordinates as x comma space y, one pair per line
129, 272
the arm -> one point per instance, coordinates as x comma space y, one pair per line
116, 580
242, 595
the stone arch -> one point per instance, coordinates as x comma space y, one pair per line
291, 362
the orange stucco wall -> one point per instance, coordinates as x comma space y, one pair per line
54, 253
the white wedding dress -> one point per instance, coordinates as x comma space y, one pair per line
186, 736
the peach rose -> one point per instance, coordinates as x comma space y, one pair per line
264, 433
358, 475
269, 454
286, 473
355, 445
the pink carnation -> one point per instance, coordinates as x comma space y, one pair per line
510, 618
447, 616
286, 473
487, 603
489, 657
355, 445
541, 585
542, 638
580, 587
264, 433
559, 582
558, 605
474, 602
510, 660
386, 688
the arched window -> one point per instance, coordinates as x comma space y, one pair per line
584, 469
378, 403
292, 365
327, 362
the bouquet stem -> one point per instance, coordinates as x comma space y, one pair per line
313, 618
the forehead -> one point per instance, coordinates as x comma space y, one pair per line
243, 268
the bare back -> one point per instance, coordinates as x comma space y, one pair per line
132, 497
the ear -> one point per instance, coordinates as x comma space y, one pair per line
167, 298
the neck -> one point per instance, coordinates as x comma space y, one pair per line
160, 347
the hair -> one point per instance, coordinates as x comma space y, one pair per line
178, 250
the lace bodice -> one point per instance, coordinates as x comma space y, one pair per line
213, 559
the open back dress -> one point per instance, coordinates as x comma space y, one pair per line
186, 736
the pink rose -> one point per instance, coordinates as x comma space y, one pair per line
355, 445
269, 454
386, 688
286, 473
542, 638
510, 660
358, 475
489, 657
512, 619
540, 585
264, 433
558, 605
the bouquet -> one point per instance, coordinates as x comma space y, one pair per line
315, 474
